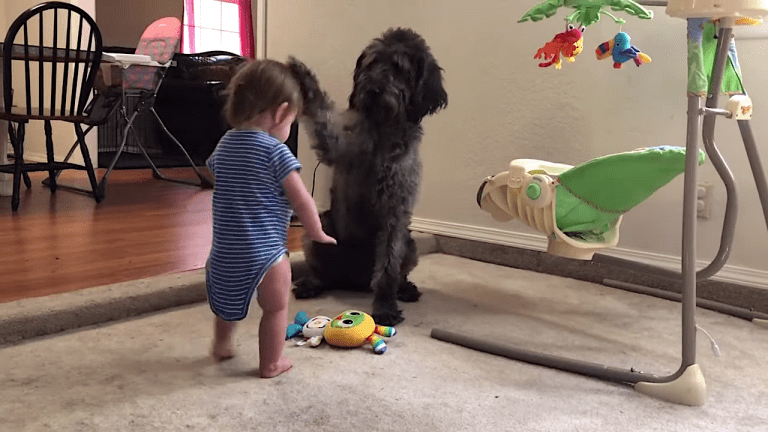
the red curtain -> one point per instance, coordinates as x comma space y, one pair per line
246, 28
247, 45
188, 26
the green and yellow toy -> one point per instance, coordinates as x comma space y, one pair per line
353, 328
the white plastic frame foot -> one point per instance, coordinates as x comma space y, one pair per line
740, 107
688, 389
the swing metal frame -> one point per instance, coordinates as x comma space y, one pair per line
686, 385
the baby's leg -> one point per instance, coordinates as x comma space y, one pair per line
273, 298
222, 343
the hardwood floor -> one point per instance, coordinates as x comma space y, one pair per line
65, 241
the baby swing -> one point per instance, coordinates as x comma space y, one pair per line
580, 208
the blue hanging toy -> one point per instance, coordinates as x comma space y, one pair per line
621, 51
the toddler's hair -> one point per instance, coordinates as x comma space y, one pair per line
257, 87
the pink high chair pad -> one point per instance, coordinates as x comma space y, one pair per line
159, 41
162, 28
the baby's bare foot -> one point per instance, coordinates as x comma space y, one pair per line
271, 371
222, 351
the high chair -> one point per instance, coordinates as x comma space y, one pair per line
139, 76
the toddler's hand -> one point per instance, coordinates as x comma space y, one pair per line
322, 238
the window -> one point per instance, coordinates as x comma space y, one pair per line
212, 25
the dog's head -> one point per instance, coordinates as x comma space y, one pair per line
397, 79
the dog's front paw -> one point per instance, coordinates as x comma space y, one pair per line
408, 292
307, 288
311, 93
388, 318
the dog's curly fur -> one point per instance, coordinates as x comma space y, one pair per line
373, 149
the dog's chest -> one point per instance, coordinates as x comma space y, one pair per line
367, 188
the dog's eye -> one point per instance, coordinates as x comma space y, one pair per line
569, 27
582, 29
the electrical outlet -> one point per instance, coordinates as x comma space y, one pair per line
704, 199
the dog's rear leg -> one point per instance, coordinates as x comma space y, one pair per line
407, 291
308, 287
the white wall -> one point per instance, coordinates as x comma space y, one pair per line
123, 22
3, 25
502, 106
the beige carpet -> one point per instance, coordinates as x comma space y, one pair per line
153, 373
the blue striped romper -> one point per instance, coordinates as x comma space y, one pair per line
251, 214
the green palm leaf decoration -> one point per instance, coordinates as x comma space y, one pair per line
587, 12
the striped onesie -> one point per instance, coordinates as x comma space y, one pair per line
251, 215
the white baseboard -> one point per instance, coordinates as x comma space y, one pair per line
729, 273
35, 157
6, 180
6, 185
76, 158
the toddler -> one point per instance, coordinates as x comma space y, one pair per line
257, 188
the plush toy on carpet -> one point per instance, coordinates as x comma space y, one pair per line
310, 329
353, 328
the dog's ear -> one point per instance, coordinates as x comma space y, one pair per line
354, 96
430, 96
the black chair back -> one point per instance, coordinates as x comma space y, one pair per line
51, 55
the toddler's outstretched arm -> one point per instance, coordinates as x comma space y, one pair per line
305, 208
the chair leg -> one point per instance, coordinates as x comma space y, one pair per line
18, 162
46, 182
87, 162
12, 134
49, 154
204, 183
126, 131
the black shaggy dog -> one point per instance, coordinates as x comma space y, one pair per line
373, 148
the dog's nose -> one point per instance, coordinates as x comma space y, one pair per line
372, 94
381, 105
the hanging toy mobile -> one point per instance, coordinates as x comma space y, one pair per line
568, 43
587, 11
621, 51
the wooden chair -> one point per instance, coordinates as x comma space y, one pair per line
51, 55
